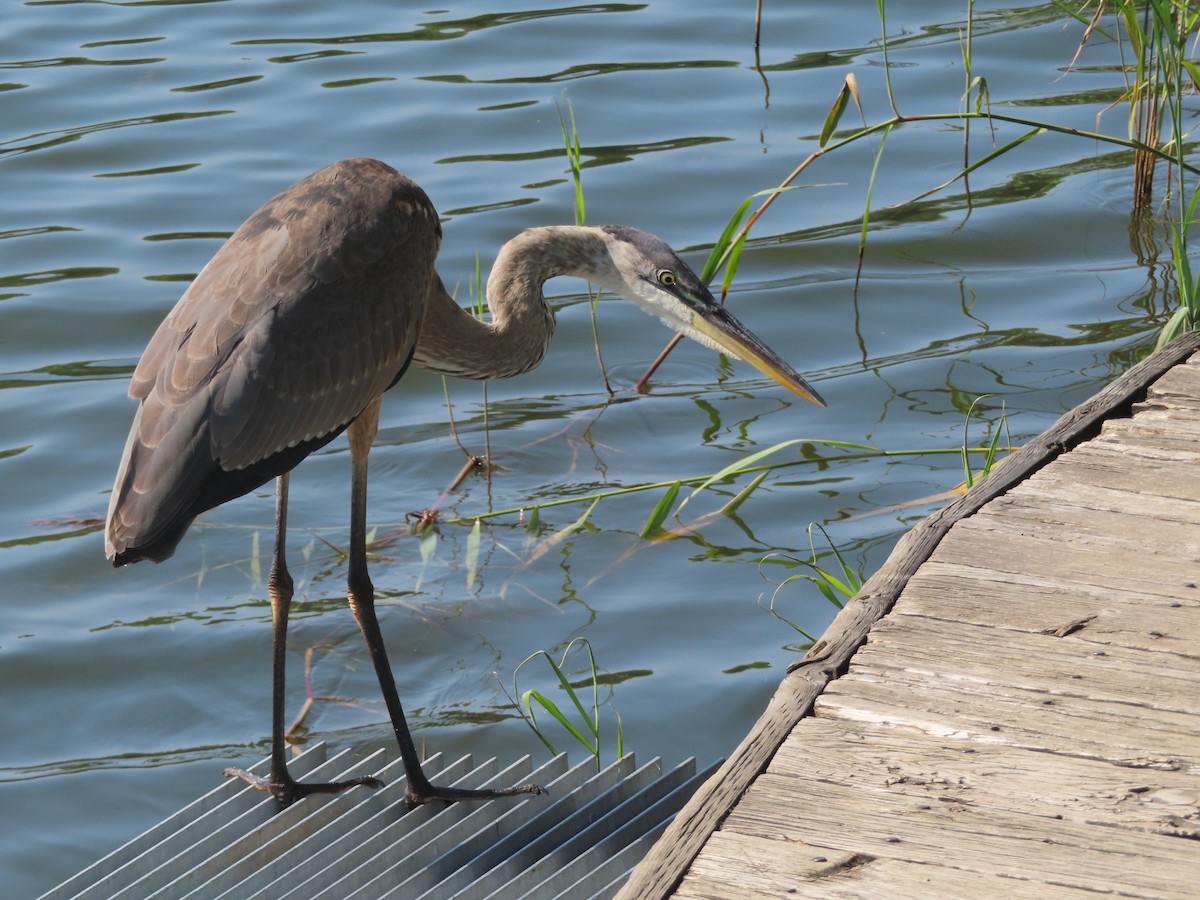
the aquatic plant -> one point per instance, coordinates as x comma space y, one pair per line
836, 584
584, 724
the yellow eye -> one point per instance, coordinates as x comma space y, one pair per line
666, 278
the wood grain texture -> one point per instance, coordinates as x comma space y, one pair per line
795, 869
989, 841
997, 580
890, 878
984, 773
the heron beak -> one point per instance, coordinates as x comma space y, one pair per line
719, 326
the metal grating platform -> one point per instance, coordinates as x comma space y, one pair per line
581, 839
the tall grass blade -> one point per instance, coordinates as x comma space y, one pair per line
589, 734
428, 544
721, 248
866, 217
881, 7
661, 510
559, 536
255, 562
570, 134
748, 462
834, 116
574, 150
743, 495
547, 704
474, 540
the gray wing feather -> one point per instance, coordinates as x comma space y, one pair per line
306, 314
302, 318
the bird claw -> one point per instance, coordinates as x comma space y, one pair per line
287, 790
428, 793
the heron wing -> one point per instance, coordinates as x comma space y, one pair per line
306, 314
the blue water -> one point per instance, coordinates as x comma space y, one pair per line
135, 137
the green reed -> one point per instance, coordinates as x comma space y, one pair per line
581, 720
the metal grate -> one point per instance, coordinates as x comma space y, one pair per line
581, 839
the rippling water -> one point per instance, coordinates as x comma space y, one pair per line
136, 136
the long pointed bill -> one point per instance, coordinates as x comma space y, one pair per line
717, 324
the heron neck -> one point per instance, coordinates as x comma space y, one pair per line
454, 342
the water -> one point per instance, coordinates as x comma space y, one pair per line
136, 136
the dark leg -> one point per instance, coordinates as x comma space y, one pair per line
362, 600
279, 586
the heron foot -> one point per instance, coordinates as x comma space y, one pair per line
428, 793
287, 790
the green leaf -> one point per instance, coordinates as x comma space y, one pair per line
474, 539
255, 562
982, 96
743, 495
749, 461
731, 265
834, 115
721, 248
661, 510
1193, 71
547, 704
428, 545
574, 157
1176, 325
741, 465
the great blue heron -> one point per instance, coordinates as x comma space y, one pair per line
292, 332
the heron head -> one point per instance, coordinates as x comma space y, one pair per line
649, 273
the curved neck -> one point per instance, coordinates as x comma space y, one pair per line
454, 342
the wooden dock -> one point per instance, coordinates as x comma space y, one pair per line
1009, 708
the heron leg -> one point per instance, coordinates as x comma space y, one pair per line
361, 594
279, 783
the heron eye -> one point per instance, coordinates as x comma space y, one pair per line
666, 278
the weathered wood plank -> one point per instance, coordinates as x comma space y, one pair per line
943, 769
1179, 388
1169, 439
1090, 525
1181, 380
1171, 426
759, 868
1116, 732
999, 546
740, 867
1098, 509
1159, 452
1173, 404
1055, 669
995, 842
717, 876
1045, 600
663, 867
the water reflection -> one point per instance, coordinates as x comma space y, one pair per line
217, 85
574, 72
33, 279
452, 29
156, 170
45, 140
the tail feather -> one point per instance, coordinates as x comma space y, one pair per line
168, 476
162, 472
